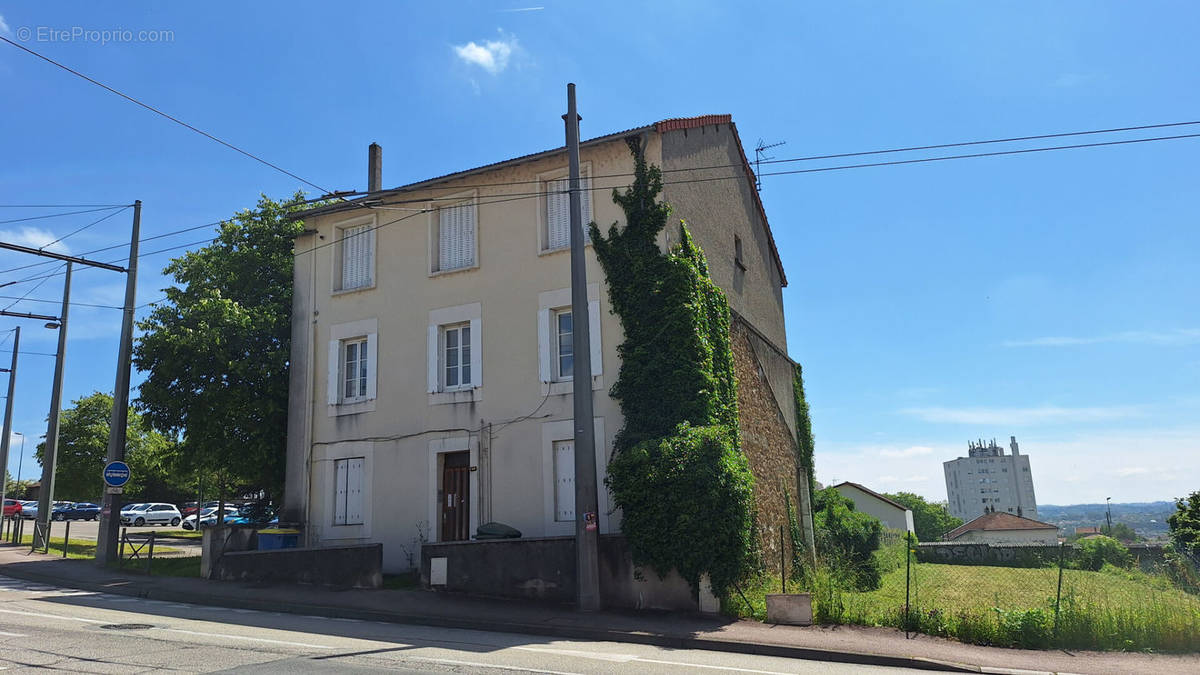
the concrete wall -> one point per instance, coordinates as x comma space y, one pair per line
890, 515
353, 566
544, 569
1011, 555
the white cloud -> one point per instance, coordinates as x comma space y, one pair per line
1127, 471
492, 55
34, 237
1178, 337
4, 29
521, 9
914, 451
1021, 416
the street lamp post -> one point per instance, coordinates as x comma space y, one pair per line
20, 457
1108, 516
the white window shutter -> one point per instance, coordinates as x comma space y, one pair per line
543, 333
432, 358
372, 365
594, 337
564, 481
476, 356
339, 501
334, 383
355, 476
558, 214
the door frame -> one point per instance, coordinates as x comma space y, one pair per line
437, 448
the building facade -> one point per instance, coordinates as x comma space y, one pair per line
893, 514
431, 347
999, 527
987, 481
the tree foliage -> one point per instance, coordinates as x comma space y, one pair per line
805, 442
1094, 552
847, 539
217, 349
931, 520
1184, 526
678, 396
83, 449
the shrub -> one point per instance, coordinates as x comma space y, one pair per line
688, 505
848, 538
1093, 553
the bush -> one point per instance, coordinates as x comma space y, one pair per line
1092, 554
688, 504
848, 538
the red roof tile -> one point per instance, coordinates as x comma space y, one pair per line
1000, 521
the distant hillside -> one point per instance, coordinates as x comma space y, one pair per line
1146, 518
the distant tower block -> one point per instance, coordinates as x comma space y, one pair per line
989, 480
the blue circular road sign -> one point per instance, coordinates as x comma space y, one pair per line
116, 474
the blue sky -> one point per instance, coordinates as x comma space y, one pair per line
1050, 296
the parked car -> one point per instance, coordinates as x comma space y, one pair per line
12, 508
76, 511
208, 518
29, 509
255, 514
150, 514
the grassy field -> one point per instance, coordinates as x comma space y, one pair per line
1110, 609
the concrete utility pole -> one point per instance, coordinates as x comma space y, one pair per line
8, 409
110, 512
49, 457
587, 520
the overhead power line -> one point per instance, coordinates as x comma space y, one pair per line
58, 206
163, 114
75, 232
58, 215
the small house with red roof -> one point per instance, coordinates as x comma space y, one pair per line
998, 527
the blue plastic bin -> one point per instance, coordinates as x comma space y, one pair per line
275, 539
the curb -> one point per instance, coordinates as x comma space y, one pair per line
549, 630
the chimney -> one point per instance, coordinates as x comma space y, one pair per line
374, 168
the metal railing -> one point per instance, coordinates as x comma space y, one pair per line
143, 551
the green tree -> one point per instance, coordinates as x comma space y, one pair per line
931, 520
83, 448
1094, 552
1123, 533
848, 539
217, 349
1184, 526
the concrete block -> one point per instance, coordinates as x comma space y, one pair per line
437, 571
792, 608
709, 604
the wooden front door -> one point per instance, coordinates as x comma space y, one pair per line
456, 496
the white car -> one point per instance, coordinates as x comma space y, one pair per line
29, 509
150, 514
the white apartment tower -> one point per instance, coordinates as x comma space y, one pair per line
987, 480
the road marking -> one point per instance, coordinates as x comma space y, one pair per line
252, 639
601, 656
478, 664
12, 634
52, 616
701, 665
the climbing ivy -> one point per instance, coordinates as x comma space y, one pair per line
684, 487
804, 433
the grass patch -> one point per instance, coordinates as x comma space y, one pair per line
163, 567
181, 534
83, 548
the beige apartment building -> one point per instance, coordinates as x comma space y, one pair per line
431, 351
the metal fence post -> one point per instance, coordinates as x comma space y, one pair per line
907, 580
150, 557
1058, 594
782, 564
67, 539
121, 555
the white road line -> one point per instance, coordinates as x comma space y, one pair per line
478, 664
601, 656
12, 634
252, 639
701, 665
52, 616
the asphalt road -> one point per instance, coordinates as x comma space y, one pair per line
43, 627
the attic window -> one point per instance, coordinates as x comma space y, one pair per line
737, 253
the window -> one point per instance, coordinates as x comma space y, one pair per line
558, 210
353, 366
354, 369
737, 253
348, 491
564, 481
564, 347
455, 237
456, 356
357, 256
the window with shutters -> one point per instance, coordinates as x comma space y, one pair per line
556, 210
455, 229
564, 481
348, 491
564, 348
456, 357
355, 257
355, 363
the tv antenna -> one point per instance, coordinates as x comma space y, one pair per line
759, 155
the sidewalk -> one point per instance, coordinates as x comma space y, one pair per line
861, 645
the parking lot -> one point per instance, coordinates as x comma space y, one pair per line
88, 530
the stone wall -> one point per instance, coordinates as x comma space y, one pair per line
340, 566
767, 439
